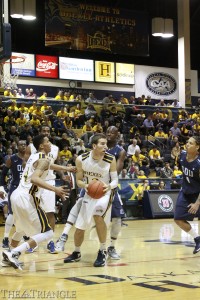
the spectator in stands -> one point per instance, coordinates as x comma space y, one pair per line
66, 95
123, 174
4, 201
44, 96
177, 173
58, 126
12, 133
160, 138
175, 130
38, 112
35, 124
32, 108
7, 92
13, 107
148, 126
19, 93
62, 113
87, 132
97, 128
75, 140
9, 152
66, 153
90, 112
176, 103
196, 127
104, 114
197, 106
166, 171
44, 107
141, 174
107, 99
26, 132
142, 187
79, 147
123, 100
155, 158
175, 153
60, 96
31, 94
64, 141
21, 121
161, 103
132, 148
162, 185
9, 120
91, 99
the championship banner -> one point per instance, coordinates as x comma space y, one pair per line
90, 27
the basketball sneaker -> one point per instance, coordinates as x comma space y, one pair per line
31, 250
112, 253
12, 258
74, 257
51, 248
101, 259
197, 247
5, 242
60, 244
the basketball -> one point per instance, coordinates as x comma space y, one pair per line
95, 189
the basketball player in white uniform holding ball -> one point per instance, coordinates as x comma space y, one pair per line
96, 164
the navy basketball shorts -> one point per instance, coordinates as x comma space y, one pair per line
181, 209
117, 207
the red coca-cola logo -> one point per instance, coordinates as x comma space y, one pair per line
46, 66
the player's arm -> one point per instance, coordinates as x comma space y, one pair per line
120, 161
56, 167
5, 170
40, 166
113, 177
79, 175
27, 155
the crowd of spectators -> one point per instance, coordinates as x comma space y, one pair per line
153, 139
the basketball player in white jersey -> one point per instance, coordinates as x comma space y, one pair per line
48, 197
96, 164
29, 217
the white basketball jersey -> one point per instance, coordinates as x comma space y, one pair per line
25, 181
93, 169
53, 154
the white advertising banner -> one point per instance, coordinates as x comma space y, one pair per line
157, 82
77, 69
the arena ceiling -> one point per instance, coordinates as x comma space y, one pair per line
29, 38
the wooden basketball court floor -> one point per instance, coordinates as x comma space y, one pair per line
156, 263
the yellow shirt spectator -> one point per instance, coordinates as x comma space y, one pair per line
66, 153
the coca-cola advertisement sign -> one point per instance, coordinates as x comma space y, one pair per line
46, 66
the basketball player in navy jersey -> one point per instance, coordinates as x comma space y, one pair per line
117, 210
188, 202
15, 165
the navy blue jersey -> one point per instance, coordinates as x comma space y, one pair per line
191, 174
115, 151
16, 169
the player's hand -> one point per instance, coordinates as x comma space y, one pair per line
193, 208
71, 169
62, 191
106, 188
86, 187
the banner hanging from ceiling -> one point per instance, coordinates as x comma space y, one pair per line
77, 25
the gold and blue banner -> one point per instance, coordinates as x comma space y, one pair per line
77, 25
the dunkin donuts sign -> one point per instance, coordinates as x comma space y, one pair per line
46, 66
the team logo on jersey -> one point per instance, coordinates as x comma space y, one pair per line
160, 83
165, 203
